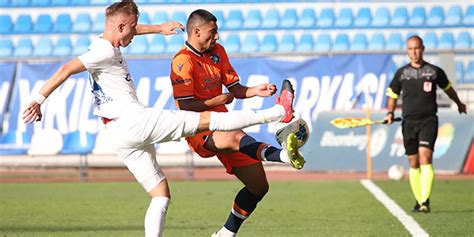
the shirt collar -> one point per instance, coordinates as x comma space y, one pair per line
190, 47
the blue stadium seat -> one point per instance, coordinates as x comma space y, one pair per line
157, 44
341, 43
43, 24
6, 24
63, 47
60, 3
159, 17
418, 17
80, 2
394, 42
179, 16
363, 18
463, 40
20, 3
399, 17
250, 44
63, 23
377, 42
271, 20
23, 25
156, 1
344, 19
253, 19
174, 44
287, 43
430, 41
99, 2
139, 46
220, 17
289, 19
469, 73
446, 41
82, 43
43, 47
234, 21
4, 3
468, 19
381, 17
6, 47
40, 3
99, 23
305, 44
269, 43
436, 17
232, 43
82, 23
459, 71
454, 16
78, 142
323, 43
14, 143
307, 19
140, 2
144, 18
359, 42
326, 18
24, 48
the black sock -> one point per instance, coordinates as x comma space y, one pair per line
244, 204
252, 148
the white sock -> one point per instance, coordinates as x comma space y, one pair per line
224, 232
284, 156
155, 216
239, 119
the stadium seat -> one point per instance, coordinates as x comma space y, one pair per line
14, 143
394, 42
45, 142
232, 43
253, 19
307, 19
99, 2
99, 23
157, 44
24, 48
469, 73
341, 43
430, 41
144, 18
40, 3
289, 19
174, 44
454, 16
287, 43
436, 17
220, 17
80, 2
446, 41
159, 17
82, 43
43, 24
63, 23
463, 40
6, 24
20, 3
468, 19
269, 43
381, 17
234, 21
377, 42
78, 142
179, 16
4, 3
63, 47
60, 3
139, 46
250, 44
399, 18
344, 19
326, 18
363, 18
418, 17
6, 47
323, 43
271, 20
82, 23
359, 42
305, 44
459, 71
43, 48
23, 25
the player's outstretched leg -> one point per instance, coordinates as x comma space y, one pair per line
291, 146
287, 94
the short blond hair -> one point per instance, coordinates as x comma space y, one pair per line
126, 7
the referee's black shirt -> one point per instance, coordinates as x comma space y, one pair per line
419, 89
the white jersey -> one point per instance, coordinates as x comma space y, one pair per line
111, 82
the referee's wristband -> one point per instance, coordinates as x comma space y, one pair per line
391, 113
39, 98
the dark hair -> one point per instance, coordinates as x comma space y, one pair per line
415, 37
199, 17
126, 7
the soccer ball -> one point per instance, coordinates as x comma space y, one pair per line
299, 127
396, 172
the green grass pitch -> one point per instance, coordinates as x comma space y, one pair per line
296, 208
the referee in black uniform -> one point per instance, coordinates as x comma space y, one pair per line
418, 81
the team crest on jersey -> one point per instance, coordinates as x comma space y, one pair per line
215, 58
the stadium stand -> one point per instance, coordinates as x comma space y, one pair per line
287, 43
454, 16
63, 23
271, 20
234, 21
436, 17
269, 43
232, 43
359, 42
63, 47
305, 44
363, 18
43, 24
344, 19
24, 48
307, 19
381, 18
44, 47
289, 19
253, 19
377, 42
326, 18
23, 25
417, 18
157, 44
81, 45
6, 47
399, 18
250, 44
323, 43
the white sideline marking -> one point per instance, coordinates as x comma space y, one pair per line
410, 224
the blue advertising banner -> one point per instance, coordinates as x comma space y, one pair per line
6, 78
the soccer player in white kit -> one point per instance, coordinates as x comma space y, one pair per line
133, 127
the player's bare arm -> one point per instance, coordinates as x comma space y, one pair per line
206, 104
262, 90
167, 28
32, 113
454, 97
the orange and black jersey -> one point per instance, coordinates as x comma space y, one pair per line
419, 89
201, 76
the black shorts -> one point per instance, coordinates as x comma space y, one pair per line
419, 132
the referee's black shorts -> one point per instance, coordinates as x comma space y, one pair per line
419, 132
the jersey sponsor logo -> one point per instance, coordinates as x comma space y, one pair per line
212, 82
215, 58
177, 81
128, 77
426, 143
427, 86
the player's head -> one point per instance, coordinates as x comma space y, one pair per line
415, 49
202, 29
121, 21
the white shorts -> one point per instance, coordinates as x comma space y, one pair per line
134, 135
